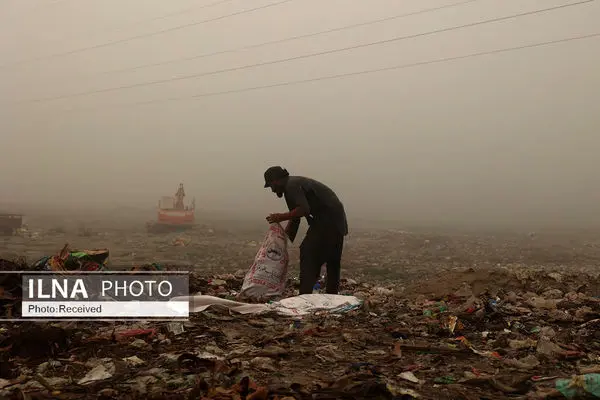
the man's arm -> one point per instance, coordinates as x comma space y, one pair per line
291, 228
293, 217
296, 202
298, 206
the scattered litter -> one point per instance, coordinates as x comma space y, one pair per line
98, 373
409, 376
74, 260
176, 328
496, 330
134, 361
292, 306
579, 385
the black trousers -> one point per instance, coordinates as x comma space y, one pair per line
323, 244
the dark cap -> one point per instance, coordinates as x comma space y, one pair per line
274, 173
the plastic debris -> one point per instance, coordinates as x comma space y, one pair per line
98, 373
579, 385
507, 327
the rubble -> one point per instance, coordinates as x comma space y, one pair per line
471, 341
73, 260
434, 322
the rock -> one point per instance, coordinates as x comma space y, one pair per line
32, 386
531, 361
409, 376
241, 351
212, 351
240, 273
556, 276
205, 355
512, 297
465, 291
108, 394
58, 382
134, 361
140, 383
155, 372
542, 303
272, 351
169, 359
176, 328
176, 383
583, 312
43, 367
383, 291
526, 363
548, 332
571, 296
548, 348
94, 362
139, 344
264, 364
553, 294
559, 315
144, 380
522, 344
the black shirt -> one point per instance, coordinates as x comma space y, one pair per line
320, 202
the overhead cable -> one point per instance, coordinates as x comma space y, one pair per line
300, 57
141, 36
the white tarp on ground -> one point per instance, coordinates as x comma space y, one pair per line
292, 306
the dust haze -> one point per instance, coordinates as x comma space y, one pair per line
506, 139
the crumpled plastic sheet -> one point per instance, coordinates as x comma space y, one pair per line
571, 388
292, 306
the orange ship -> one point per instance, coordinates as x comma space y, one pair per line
173, 214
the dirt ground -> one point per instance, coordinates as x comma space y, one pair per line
226, 246
445, 316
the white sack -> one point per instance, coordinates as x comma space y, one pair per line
268, 274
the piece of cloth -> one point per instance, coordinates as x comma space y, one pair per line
323, 244
322, 204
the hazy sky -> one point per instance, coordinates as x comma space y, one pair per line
501, 137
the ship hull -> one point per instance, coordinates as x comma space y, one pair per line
176, 217
172, 221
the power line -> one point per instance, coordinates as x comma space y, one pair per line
155, 33
288, 39
349, 74
305, 56
119, 28
32, 9
40, 5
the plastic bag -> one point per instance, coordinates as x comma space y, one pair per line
579, 385
268, 274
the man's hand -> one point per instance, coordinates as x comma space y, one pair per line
276, 218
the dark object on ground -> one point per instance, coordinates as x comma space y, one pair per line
9, 223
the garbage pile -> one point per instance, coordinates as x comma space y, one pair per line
10, 287
493, 334
66, 260
74, 260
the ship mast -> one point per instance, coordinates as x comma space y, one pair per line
179, 197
